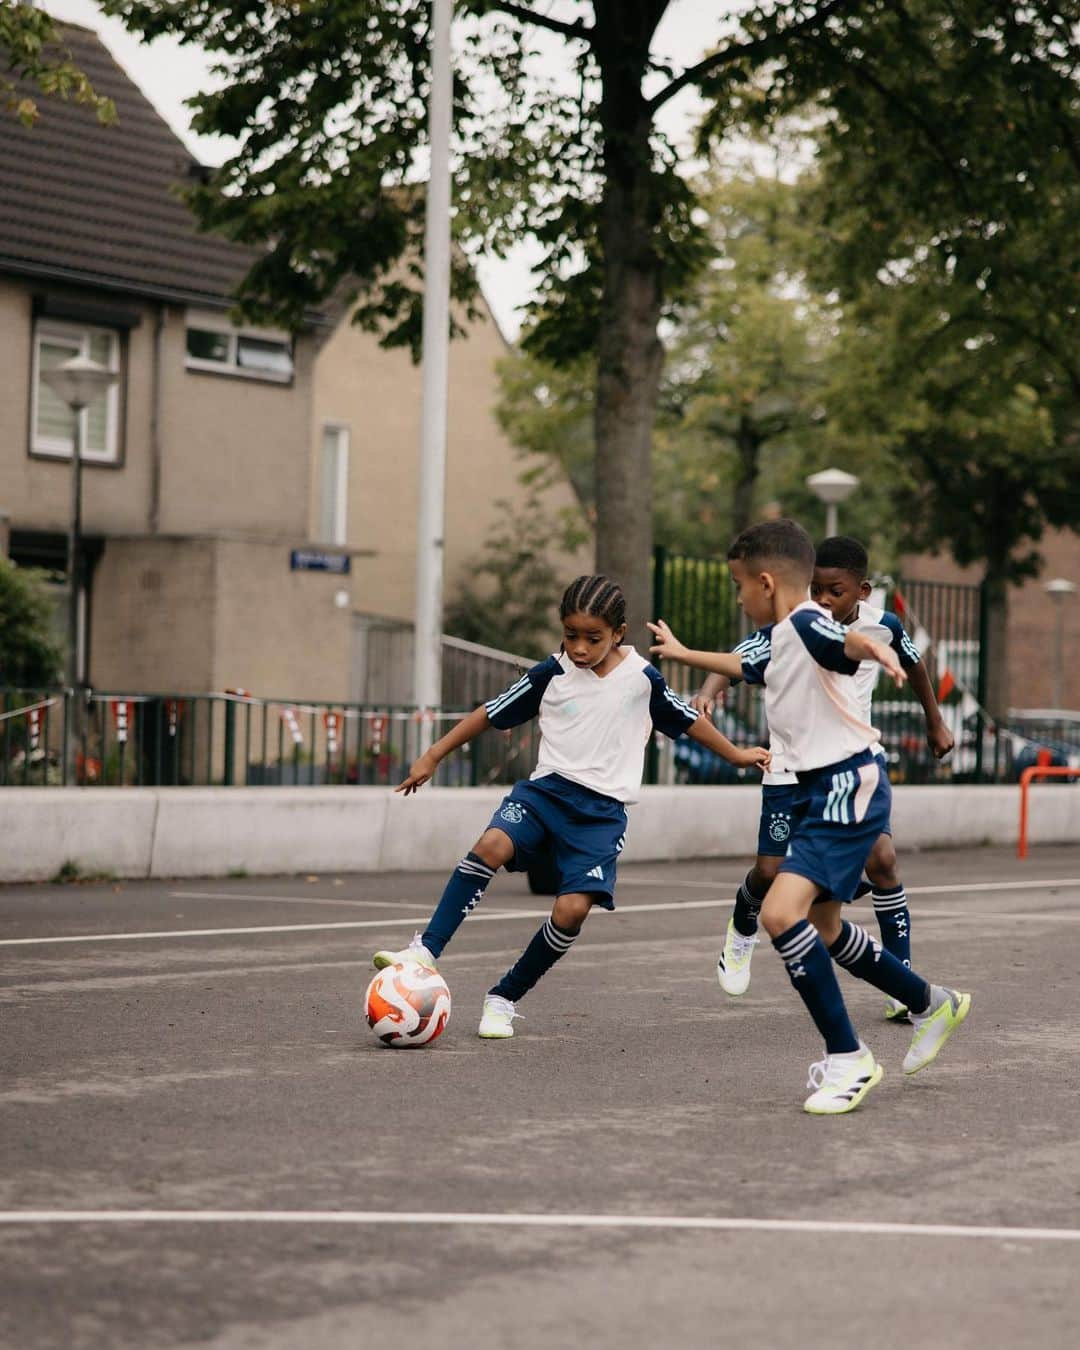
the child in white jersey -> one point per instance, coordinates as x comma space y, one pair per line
839, 584
806, 661
597, 703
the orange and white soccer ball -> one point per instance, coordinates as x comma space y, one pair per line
407, 1005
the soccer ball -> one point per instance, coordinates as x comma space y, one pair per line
407, 1005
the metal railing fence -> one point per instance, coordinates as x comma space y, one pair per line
97, 739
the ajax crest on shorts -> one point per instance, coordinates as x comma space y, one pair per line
779, 826
512, 813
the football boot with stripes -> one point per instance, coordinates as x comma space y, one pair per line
733, 963
415, 951
934, 1027
840, 1082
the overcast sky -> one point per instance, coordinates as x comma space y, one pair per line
168, 73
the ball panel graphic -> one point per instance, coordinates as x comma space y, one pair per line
407, 1005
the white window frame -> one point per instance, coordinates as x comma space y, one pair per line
208, 321
338, 533
56, 447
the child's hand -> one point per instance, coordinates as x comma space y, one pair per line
891, 663
668, 645
754, 757
940, 740
419, 773
703, 704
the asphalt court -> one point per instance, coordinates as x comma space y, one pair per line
203, 1145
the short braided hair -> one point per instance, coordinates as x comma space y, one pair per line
597, 596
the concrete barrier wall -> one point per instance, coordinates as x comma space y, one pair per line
192, 832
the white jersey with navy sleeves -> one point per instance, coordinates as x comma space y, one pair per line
887, 629
757, 649
812, 703
594, 728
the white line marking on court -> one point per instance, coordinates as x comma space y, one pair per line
289, 899
503, 916
361, 1218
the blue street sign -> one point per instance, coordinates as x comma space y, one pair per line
315, 560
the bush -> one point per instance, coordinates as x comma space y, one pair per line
30, 657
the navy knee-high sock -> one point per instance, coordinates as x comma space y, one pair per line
894, 920
468, 882
865, 957
548, 944
747, 908
811, 972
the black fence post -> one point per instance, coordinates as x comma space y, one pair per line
980, 688
660, 553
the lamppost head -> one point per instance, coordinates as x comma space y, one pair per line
1059, 588
79, 382
832, 485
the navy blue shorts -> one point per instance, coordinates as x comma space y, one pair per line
579, 832
777, 816
839, 812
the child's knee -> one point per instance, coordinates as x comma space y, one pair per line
494, 848
881, 864
571, 911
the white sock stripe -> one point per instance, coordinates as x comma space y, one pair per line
472, 869
798, 946
856, 945
558, 942
887, 906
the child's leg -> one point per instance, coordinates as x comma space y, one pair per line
464, 890
890, 900
853, 948
551, 941
751, 893
461, 895
733, 963
784, 917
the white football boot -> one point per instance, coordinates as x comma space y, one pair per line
733, 963
840, 1082
934, 1027
497, 1018
415, 951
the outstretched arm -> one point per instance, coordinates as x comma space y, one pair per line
744, 756
938, 736
459, 734
859, 647
669, 646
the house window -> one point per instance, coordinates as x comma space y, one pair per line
214, 345
52, 421
333, 484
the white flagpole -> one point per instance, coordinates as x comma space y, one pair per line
427, 660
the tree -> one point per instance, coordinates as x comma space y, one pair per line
31, 51
30, 657
511, 599
740, 396
947, 198
327, 99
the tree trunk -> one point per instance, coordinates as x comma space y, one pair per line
748, 445
995, 658
629, 353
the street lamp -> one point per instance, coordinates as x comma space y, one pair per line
1059, 589
77, 383
832, 486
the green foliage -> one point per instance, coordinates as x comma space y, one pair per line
511, 603
29, 656
31, 52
